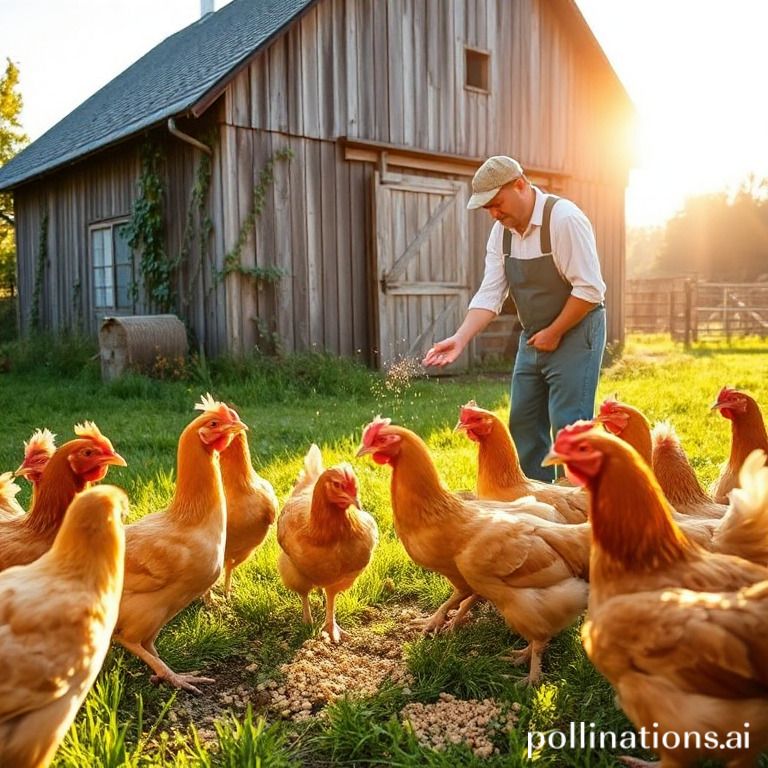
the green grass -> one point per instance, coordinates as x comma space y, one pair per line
127, 722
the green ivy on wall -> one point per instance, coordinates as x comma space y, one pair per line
145, 231
233, 260
42, 261
199, 225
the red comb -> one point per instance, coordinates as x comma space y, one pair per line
577, 428
371, 432
470, 409
725, 393
609, 405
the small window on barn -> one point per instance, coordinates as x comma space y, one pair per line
477, 68
112, 264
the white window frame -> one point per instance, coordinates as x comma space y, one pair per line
110, 279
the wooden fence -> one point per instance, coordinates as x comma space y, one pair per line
692, 310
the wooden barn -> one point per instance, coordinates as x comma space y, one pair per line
294, 173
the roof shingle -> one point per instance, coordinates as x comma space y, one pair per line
164, 83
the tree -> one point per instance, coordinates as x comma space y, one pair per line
720, 237
12, 139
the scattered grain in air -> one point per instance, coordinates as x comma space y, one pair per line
399, 376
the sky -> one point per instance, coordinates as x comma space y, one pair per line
693, 69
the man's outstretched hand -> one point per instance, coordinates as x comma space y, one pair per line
443, 353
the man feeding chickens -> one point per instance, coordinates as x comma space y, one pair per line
542, 251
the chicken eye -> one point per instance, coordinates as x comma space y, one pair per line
87, 451
213, 423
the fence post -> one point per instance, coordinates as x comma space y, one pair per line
688, 292
695, 308
726, 318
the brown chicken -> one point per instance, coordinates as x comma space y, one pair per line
9, 507
56, 620
628, 423
532, 569
325, 537
661, 450
677, 477
37, 452
174, 556
251, 505
74, 466
675, 629
747, 433
499, 474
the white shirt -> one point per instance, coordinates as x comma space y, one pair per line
573, 250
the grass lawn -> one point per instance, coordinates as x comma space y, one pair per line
279, 699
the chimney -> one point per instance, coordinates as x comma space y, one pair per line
206, 7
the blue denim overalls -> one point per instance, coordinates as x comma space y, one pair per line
549, 389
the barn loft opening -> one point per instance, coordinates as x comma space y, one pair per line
477, 68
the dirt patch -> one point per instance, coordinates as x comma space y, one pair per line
319, 673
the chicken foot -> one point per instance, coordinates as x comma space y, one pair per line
162, 671
437, 620
533, 653
331, 629
461, 616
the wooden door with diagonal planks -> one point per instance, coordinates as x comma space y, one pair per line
421, 264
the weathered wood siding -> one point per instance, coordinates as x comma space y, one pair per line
314, 227
102, 190
90, 193
393, 72
387, 71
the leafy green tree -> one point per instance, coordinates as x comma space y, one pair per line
12, 139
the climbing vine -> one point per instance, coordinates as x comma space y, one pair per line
233, 259
42, 260
146, 228
198, 225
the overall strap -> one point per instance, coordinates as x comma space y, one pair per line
545, 236
506, 243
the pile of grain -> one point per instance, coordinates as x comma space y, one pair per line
455, 721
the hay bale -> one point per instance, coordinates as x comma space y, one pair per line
136, 343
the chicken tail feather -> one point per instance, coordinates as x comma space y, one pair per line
313, 467
743, 530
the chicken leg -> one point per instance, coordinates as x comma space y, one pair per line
436, 621
162, 670
331, 629
462, 614
533, 653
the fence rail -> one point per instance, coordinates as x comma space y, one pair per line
692, 310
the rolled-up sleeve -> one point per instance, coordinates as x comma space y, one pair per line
494, 288
575, 253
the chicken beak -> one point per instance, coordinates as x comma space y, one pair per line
552, 458
115, 460
362, 451
716, 406
460, 426
236, 427
23, 471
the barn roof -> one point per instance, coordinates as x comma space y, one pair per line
183, 75
166, 82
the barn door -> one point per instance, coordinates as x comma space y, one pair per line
421, 264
